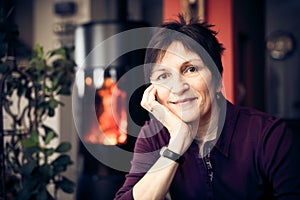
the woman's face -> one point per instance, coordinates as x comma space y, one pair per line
183, 83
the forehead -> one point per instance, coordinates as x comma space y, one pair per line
175, 55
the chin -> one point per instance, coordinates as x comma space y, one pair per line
190, 120
188, 117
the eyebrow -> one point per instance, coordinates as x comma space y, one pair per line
157, 71
184, 64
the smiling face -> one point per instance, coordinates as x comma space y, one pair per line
183, 83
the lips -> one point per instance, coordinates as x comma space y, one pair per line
181, 101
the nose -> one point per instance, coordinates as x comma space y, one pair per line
179, 85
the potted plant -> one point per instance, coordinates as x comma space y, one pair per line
34, 160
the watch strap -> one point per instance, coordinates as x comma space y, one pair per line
165, 152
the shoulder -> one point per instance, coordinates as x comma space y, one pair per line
255, 127
253, 119
272, 145
260, 133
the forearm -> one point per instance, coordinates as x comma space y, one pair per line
156, 182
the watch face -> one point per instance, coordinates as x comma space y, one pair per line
161, 153
280, 45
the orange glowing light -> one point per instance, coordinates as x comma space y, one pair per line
89, 81
112, 116
122, 139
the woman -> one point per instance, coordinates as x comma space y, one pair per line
198, 145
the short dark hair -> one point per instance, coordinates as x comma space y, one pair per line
187, 33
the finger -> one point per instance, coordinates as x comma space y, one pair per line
151, 95
163, 114
147, 98
172, 122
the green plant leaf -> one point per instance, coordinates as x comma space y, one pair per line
58, 51
28, 167
49, 134
62, 160
40, 65
30, 188
63, 147
4, 68
39, 50
42, 194
59, 169
67, 185
24, 193
41, 111
34, 136
28, 142
60, 164
64, 91
53, 103
55, 82
45, 173
49, 151
29, 151
32, 63
51, 112
43, 105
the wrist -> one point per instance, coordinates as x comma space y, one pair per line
178, 146
179, 143
167, 153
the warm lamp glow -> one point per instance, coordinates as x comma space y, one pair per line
89, 81
112, 116
122, 139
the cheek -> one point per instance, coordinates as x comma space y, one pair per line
203, 91
198, 85
204, 84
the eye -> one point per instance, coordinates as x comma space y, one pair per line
160, 75
190, 69
163, 76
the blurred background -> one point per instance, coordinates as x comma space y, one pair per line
261, 64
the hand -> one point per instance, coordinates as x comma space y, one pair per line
181, 133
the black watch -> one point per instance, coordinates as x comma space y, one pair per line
165, 152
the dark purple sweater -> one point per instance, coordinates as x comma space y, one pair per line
255, 157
